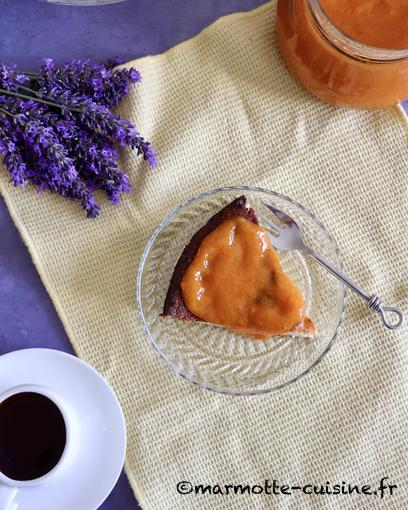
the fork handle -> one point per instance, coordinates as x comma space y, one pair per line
392, 317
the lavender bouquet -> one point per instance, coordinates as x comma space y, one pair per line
58, 132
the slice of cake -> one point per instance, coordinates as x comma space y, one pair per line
229, 274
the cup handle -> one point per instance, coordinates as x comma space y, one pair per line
7, 495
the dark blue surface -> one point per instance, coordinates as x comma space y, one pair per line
30, 30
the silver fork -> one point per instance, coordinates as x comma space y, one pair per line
287, 236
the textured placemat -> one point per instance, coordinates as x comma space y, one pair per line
221, 109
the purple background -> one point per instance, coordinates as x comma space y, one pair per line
30, 30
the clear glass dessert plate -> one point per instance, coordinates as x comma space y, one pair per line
212, 356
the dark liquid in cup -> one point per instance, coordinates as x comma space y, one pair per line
32, 436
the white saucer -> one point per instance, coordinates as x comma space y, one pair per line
103, 434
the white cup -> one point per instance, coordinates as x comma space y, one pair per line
10, 487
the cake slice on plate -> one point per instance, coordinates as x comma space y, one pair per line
230, 275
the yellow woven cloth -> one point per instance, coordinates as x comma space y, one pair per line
221, 109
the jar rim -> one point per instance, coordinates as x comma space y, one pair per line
347, 44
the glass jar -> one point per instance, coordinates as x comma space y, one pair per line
335, 67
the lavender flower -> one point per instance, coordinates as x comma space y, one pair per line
78, 191
57, 130
101, 120
98, 118
10, 79
82, 79
11, 156
97, 162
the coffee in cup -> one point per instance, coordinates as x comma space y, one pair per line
32, 435
38, 439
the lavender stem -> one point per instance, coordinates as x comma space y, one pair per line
30, 74
6, 112
30, 90
37, 99
44, 97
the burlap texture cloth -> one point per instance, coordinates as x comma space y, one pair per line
222, 109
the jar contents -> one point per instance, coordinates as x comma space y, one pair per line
381, 23
339, 76
235, 280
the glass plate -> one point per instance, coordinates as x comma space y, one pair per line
219, 359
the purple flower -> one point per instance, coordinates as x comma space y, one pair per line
82, 79
45, 151
65, 137
11, 156
10, 79
114, 62
97, 163
101, 120
32, 153
47, 64
78, 191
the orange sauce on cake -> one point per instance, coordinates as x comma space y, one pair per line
235, 280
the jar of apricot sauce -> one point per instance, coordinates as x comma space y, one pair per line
347, 52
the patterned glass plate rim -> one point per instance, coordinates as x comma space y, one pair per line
146, 253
